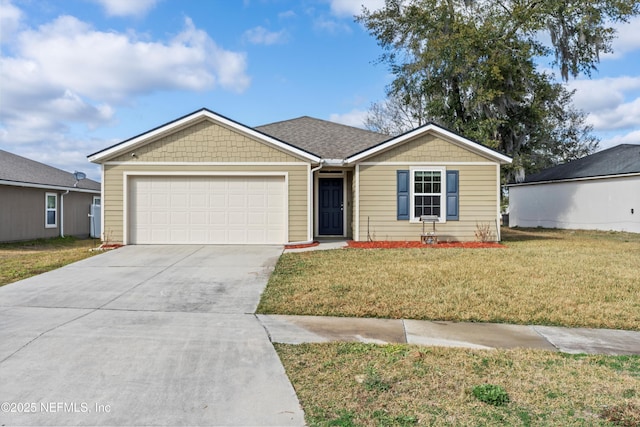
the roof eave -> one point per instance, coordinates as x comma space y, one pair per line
583, 178
47, 186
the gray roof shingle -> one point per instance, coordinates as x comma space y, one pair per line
22, 170
619, 160
325, 139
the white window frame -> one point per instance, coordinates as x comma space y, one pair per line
442, 218
99, 199
47, 209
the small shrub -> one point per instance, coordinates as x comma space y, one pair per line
491, 394
483, 233
624, 415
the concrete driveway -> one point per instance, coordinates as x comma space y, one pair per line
144, 335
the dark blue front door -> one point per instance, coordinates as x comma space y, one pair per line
331, 207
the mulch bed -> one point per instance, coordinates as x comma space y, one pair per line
304, 245
418, 244
108, 246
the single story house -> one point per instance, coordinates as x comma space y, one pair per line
205, 178
40, 201
597, 192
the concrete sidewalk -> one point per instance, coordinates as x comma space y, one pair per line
314, 329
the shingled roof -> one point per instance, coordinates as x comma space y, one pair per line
619, 160
18, 170
325, 139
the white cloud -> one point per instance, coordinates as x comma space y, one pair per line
354, 118
602, 94
331, 26
610, 101
66, 77
287, 14
127, 7
10, 17
626, 40
349, 8
260, 35
114, 66
623, 116
629, 138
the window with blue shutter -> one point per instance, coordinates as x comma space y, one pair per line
453, 197
403, 194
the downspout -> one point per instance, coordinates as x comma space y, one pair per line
318, 168
62, 213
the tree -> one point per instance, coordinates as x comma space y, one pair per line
469, 65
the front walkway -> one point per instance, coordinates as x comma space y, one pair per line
315, 329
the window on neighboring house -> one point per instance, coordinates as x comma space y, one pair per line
51, 210
96, 200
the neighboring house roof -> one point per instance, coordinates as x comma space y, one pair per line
328, 140
619, 160
189, 119
20, 171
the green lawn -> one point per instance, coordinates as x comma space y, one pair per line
25, 259
542, 277
548, 277
351, 384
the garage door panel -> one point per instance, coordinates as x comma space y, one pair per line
207, 209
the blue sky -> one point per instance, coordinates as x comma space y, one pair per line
79, 75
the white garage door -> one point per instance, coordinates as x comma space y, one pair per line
207, 210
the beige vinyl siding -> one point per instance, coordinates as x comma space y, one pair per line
378, 201
113, 225
205, 141
427, 148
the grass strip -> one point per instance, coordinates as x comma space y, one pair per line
352, 384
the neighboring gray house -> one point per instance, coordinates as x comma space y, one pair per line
596, 192
40, 201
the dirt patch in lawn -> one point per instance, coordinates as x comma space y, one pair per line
416, 244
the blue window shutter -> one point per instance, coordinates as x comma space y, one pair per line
453, 198
403, 195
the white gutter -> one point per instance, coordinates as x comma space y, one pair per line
46, 187
333, 162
